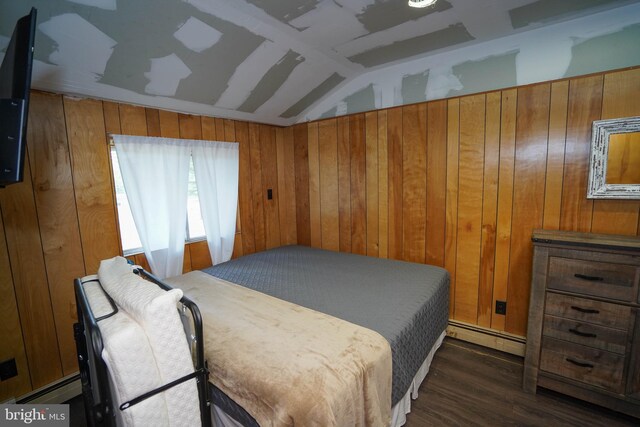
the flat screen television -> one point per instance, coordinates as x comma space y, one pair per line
15, 84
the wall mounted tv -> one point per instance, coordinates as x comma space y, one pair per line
15, 84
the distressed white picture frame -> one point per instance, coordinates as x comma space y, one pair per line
597, 185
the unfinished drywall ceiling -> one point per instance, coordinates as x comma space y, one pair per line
284, 61
608, 40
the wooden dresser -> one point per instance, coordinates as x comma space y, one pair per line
583, 337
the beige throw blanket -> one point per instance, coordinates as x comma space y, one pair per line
288, 365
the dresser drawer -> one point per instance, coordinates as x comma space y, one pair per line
585, 364
586, 310
603, 279
596, 336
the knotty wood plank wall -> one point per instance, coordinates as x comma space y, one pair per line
461, 183
61, 221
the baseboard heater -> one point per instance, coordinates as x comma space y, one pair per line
58, 392
498, 340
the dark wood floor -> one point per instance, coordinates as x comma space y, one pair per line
469, 385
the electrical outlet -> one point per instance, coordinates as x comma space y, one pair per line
501, 307
8, 369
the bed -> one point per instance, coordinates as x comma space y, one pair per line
385, 319
406, 303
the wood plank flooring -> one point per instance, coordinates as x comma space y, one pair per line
469, 385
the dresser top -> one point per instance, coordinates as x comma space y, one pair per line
586, 239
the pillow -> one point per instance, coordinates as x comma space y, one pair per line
156, 311
130, 362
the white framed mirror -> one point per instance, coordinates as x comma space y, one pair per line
614, 163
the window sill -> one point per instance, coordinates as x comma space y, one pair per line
138, 251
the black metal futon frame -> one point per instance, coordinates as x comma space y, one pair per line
96, 390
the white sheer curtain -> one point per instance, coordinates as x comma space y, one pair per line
216, 167
155, 172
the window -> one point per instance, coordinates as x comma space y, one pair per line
195, 225
128, 233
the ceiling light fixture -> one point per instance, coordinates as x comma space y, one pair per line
421, 3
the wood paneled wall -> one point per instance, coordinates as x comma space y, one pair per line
458, 183
461, 183
61, 221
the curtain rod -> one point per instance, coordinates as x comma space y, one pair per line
111, 135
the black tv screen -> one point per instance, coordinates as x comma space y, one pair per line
15, 84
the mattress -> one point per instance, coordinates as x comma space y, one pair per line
407, 303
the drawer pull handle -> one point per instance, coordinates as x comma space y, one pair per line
582, 334
581, 364
585, 310
589, 278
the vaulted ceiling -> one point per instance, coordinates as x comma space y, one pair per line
269, 61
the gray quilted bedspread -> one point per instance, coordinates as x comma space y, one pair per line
406, 303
